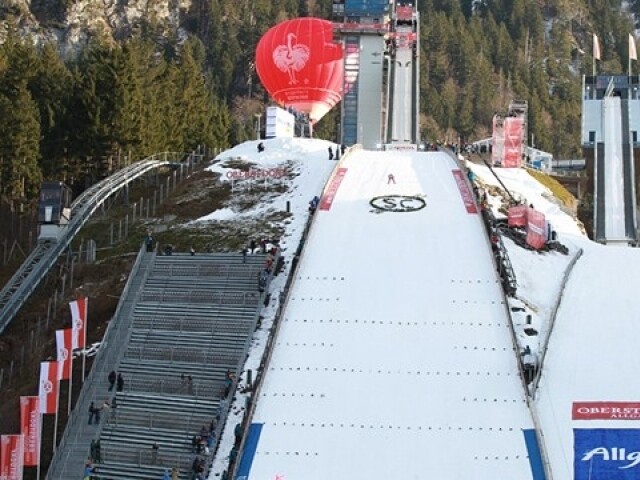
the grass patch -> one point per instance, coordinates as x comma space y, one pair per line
558, 190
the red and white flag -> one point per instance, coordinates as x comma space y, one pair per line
11, 466
65, 352
30, 429
49, 385
79, 309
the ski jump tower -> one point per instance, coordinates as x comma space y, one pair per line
610, 125
380, 92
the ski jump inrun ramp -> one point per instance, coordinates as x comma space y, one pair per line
394, 357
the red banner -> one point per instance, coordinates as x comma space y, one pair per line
465, 192
65, 353
536, 229
30, 429
605, 411
332, 189
11, 456
517, 216
49, 385
513, 131
79, 309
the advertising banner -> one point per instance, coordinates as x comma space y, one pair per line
280, 123
513, 130
332, 189
49, 385
605, 411
517, 216
65, 355
536, 229
79, 321
606, 453
497, 140
11, 456
30, 429
465, 192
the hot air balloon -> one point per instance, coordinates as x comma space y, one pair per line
300, 65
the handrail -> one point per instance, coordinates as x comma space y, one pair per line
88, 387
24, 282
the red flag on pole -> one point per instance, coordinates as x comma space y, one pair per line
11, 466
65, 355
79, 321
49, 385
30, 429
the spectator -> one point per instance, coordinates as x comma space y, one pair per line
228, 381
244, 255
194, 444
92, 412
96, 413
237, 433
174, 473
92, 450
252, 246
120, 383
89, 470
97, 454
166, 476
112, 379
260, 147
343, 147
330, 153
233, 454
192, 251
154, 452
391, 179
149, 242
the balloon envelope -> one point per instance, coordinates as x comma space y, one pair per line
300, 65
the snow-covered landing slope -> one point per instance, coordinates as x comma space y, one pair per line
394, 358
588, 398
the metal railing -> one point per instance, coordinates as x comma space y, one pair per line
41, 260
109, 354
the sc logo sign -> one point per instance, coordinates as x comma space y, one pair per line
397, 203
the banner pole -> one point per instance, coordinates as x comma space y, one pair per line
55, 432
70, 382
55, 426
39, 444
85, 321
84, 360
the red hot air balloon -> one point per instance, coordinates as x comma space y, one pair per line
300, 65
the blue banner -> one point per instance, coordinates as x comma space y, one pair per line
606, 453
535, 458
249, 451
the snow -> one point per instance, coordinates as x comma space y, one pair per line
393, 359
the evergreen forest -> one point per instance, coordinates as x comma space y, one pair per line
78, 119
